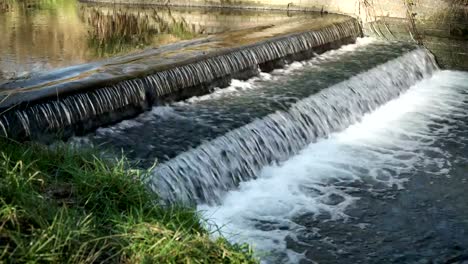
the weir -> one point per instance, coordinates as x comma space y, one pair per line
206, 173
296, 134
37, 109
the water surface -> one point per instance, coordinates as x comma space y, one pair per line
170, 130
40, 35
383, 181
387, 189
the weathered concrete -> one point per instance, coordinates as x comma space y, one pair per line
367, 10
423, 21
445, 41
74, 101
441, 25
35, 39
105, 73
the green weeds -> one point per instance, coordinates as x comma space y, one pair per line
66, 206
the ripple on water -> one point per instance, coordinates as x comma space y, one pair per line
320, 183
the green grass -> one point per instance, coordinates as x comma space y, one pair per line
66, 206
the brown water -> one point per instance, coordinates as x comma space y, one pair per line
40, 35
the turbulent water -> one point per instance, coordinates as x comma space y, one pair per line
206, 172
171, 130
323, 179
343, 158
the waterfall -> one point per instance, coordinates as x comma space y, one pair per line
205, 173
80, 112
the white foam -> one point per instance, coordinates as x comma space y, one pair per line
385, 147
234, 87
139, 121
237, 86
331, 55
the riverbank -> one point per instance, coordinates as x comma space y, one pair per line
60, 205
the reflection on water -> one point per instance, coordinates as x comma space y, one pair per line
5, 6
38, 35
118, 30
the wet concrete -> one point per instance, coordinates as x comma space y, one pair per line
445, 35
77, 99
104, 73
39, 35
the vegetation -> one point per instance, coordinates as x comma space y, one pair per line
66, 206
117, 29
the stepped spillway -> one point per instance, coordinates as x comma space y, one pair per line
320, 160
387, 188
207, 145
50, 106
354, 155
205, 173
175, 128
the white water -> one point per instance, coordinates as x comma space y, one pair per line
208, 171
384, 147
237, 86
138, 93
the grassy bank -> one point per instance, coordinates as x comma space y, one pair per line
65, 206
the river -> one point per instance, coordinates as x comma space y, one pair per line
355, 156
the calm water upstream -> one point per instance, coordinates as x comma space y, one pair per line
40, 35
356, 156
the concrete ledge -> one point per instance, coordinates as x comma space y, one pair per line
93, 95
451, 51
293, 5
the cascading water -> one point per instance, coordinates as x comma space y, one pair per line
388, 189
173, 129
205, 173
358, 155
84, 111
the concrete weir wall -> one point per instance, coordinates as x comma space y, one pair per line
440, 25
51, 107
104, 93
365, 9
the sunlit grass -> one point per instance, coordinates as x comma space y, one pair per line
66, 206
